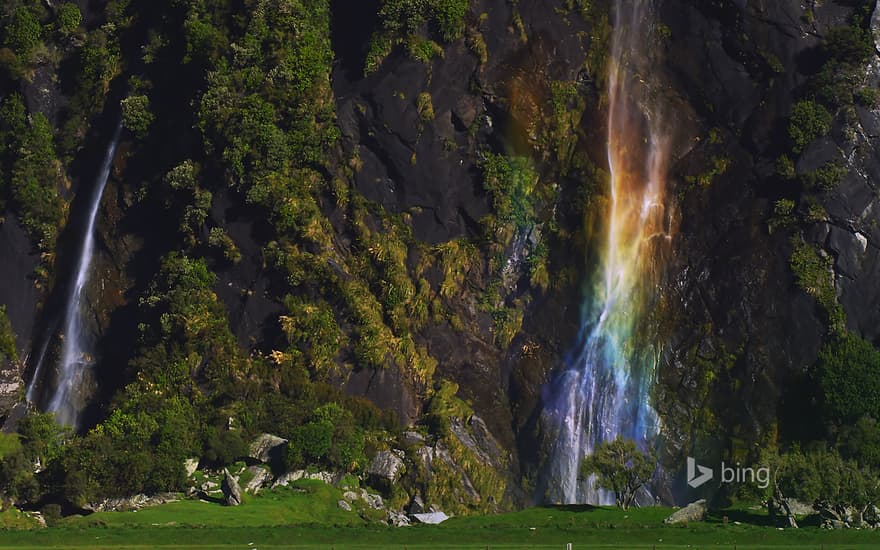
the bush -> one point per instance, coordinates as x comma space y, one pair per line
827, 177
23, 31
814, 275
809, 121
449, 16
849, 375
8, 350
69, 17
620, 467
136, 115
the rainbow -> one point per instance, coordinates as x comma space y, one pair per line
605, 388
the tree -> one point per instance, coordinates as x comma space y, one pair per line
838, 489
849, 375
621, 467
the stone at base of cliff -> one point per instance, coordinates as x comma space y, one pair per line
432, 518
695, 511
231, 489
127, 504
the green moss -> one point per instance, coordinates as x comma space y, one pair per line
477, 45
422, 49
814, 275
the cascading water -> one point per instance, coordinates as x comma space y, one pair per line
604, 390
75, 355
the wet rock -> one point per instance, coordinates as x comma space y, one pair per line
231, 489
695, 511
267, 448
11, 386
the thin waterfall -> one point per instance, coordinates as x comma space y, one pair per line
604, 390
76, 353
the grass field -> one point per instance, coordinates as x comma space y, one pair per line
307, 517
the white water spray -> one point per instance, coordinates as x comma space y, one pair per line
75, 358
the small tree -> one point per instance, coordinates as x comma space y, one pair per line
620, 467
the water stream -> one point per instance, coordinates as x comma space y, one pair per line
76, 354
604, 390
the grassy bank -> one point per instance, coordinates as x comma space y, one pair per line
306, 516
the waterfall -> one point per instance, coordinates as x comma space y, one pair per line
604, 390
75, 356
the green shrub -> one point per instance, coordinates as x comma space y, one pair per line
23, 31
449, 16
425, 107
814, 275
136, 115
809, 121
7, 338
849, 373
827, 177
69, 17
510, 183
222, 242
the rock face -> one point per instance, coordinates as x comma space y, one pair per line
231, 489
695, 511
259, 477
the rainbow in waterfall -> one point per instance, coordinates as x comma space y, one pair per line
604, 390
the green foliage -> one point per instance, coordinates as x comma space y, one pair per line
449, 16
861, 441
223, 446
827, 177
868, 97
814, 275
847, 50
833, 485
619, 466
8, 350
36, 177
136, 115
785, 167
423, 50
809, 121
510, 182
783, 214
221, 241
68, 17
718, 167
425, 107
22, 31
330, 438
849, 375
312, 332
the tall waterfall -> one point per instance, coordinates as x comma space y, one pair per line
604, 391
76, 353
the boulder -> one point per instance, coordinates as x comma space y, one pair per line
417, 505
396, 519
695, 511
267, 448
344, 505
431, 518
327, 477
387, 466
190, 465
127, 504
259, 476
231, 489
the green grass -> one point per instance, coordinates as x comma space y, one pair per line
307, 517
